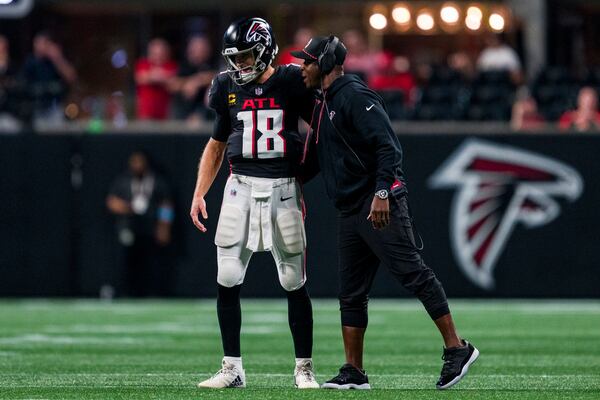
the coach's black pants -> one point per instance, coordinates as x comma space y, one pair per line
361, 249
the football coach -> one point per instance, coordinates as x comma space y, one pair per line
352, 142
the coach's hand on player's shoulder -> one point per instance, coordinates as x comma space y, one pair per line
380, 213
198, 207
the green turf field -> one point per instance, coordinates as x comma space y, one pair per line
160, 349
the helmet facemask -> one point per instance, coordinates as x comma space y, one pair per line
247, 74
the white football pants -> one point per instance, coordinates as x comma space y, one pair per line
261, 214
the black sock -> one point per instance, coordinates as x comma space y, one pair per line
230, 319
301, 322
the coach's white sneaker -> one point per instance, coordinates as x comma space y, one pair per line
304, 376
229, 376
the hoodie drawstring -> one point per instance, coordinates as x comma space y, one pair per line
311, 130
309, 134
320, 118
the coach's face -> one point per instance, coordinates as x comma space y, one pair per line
311, 74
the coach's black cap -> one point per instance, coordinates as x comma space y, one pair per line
315, 47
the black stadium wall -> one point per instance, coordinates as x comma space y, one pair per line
500, 216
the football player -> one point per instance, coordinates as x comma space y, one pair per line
257, 108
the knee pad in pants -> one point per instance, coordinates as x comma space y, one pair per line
291, 276
231, 272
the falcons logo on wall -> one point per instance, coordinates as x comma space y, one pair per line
256, 31
499, 186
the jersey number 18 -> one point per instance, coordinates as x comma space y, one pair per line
262, 133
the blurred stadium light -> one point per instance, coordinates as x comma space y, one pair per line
473, 21
475, 12
15, 8
449, 14
401, 14
445, 15
425, 21
496, 22
378, 21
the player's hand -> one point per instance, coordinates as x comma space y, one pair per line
380, 213
198, 207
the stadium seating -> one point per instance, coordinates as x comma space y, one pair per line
395, 100
444, 97
555, 90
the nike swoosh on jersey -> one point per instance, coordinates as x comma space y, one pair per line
285, 198
369, 108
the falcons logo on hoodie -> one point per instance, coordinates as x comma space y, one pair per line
498, 187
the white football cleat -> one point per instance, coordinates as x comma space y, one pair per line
229, 376
304, 376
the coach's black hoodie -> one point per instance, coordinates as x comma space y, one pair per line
358, 153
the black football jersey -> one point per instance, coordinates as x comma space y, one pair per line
259, 122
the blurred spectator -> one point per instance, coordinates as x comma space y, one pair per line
142, 205
193, 77
525, 115
361, 60
301, 38
499, 56
8, 88
461, 63
394, 76
423, 72
8, 70
47, 75
586, 116
152, 77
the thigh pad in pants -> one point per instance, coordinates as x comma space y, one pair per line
229, 232
291, 236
